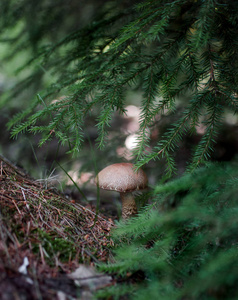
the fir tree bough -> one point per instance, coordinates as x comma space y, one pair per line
169, 51
184, 245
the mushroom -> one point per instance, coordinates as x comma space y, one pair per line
121, 177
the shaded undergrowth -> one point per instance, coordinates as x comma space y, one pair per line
184, 245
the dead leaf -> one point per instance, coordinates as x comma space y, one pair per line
85, 276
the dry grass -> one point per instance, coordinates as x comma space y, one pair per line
55, 234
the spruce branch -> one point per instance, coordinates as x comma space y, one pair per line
172, 52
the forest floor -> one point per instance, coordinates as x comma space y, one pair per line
48, 243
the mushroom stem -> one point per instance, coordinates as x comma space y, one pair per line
128, 205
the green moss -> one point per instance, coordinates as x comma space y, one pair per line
54, 246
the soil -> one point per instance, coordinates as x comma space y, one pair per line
44, 237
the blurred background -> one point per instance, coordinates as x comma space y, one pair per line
23, 31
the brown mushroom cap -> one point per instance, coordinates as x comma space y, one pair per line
122, 178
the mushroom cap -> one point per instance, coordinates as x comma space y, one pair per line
122, 178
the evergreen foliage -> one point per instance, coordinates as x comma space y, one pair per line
184, 245
171, 51
181, 55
